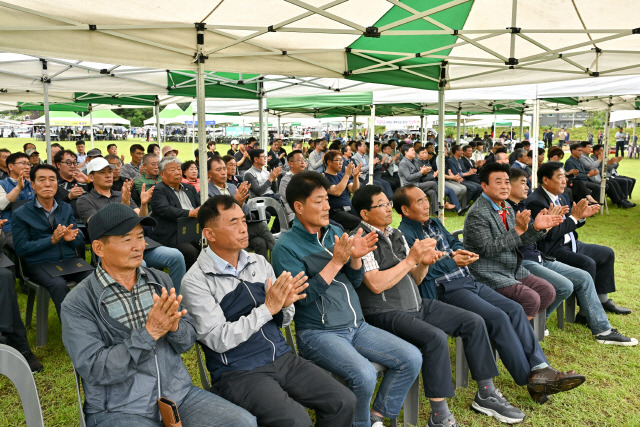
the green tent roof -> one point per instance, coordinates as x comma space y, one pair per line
39, 106
217, 85
101, 98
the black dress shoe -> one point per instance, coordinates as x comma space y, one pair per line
463, 211
611, 307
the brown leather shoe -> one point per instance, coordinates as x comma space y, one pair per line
546, 381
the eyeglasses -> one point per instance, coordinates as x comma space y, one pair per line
338, 160
70, 163
22, 163
381, 205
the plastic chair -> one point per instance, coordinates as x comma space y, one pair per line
411, 405
14, 366
260, 204
81, 421
204, 376
40, 296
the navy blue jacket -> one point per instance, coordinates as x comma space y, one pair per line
32, 234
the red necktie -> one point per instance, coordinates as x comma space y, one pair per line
503, 215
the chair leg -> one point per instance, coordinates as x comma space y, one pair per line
411, 404
560, 312
570, 308
42, 316
462, 367
539, 325
31, 299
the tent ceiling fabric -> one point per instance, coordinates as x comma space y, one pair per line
402, 42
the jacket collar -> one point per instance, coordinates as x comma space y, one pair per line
301, 231
208, 266
412, 224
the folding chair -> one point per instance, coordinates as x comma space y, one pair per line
40, 296
260, 204
14, 366
204, 376
81, 421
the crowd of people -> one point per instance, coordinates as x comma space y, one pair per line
358, 289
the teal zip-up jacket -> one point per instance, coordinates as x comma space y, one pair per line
327, 306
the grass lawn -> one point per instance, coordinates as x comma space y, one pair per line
609, 397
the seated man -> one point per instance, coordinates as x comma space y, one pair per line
262, 183
260, 238
564, 278
132, 170
450, 281
390, 301
361, 158
297, 164
71, 181
574, 167
422, 159
330, 328
613, 188
14, 190
456, 167
562, 242
45, 231
12, 331
626, 182
124, 332
238, 304
494, 232
101, 172
171, 201
148, 172
410, 174
342, 185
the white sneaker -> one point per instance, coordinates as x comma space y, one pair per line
377, 424
546, 332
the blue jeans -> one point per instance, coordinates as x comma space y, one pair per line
171, 258
199, 408
566, 279
349, 352
448, 191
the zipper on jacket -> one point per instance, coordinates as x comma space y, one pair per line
272, 344
355, 317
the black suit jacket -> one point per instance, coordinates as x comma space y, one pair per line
166, 209
554, 239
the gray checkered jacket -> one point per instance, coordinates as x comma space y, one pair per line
500, 263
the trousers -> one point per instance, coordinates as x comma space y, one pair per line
291, 383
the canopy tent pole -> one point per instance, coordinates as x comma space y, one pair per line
47, 131
91, 123
522, 126
441, 166
372, 127
422, 128
202, 124
346, 127
605, 158
464, 127
633, 137
156, 110
355, 125
534, 141
193, 132
261, 138
279, 134
458, 118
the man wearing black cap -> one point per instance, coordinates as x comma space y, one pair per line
124, 330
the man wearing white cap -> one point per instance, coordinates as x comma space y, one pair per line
155, 255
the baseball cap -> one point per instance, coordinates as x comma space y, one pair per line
31, 151
98, 164
115, 219
234, 141
94, 152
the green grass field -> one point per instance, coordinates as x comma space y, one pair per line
609, 397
